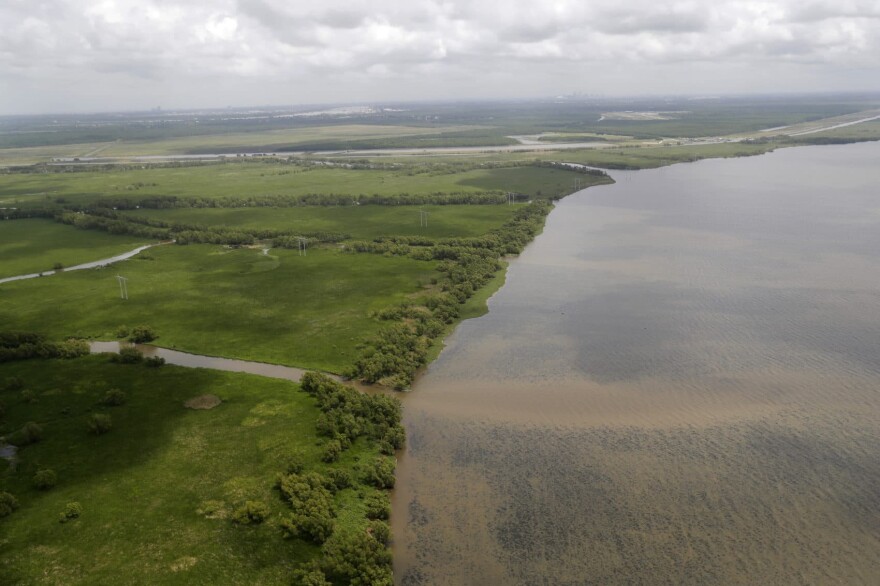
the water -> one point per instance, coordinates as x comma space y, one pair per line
678, 384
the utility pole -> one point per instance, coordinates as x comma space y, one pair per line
423, 218
123, 287
302, 245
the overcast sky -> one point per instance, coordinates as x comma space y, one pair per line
92, 55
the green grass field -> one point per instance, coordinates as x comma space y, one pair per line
142, 484
360, 222
309, 311
246, 179
31, 246
269, 140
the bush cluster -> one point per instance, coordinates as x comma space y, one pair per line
127, 355
26, 345
30, 433
99, 424
141, 335
44, 479
114, 398
8, 504
347, 414
71, 511
311, 499
251, 513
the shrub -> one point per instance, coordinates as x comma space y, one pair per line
381, 473
339, 478
30, 433
154, 361
252, 512
113, 398
58, 266
45, 479
28, 396
99, 424
356, 558
141, 335
72, 348
309, 575
8, 504
312, 505
71, 511
212, 509
378, 506
380, 531
294, 463
332, 451
396, 436
127, 355
122, 332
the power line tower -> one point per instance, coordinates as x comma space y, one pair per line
423, 218
123, 287
302, 245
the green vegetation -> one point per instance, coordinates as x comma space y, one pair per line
256, 178
34, 245
199, 486
467, 264
273, 485
25, 345
359, 222
309, 311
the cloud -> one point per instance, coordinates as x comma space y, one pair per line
201, 46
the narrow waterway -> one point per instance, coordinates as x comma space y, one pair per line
678, 384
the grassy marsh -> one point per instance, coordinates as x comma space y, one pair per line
157, 491
309, 311
29, 246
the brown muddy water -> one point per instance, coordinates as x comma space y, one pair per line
678, 384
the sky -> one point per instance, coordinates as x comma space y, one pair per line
105, 55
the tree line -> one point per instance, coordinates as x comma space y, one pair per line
392, 357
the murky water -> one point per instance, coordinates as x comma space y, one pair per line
678, 384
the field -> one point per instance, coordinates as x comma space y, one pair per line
261, 178
359, 222
157, 491
30, 246
282, 308
283, 139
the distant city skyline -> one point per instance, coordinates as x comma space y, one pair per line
119, 55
